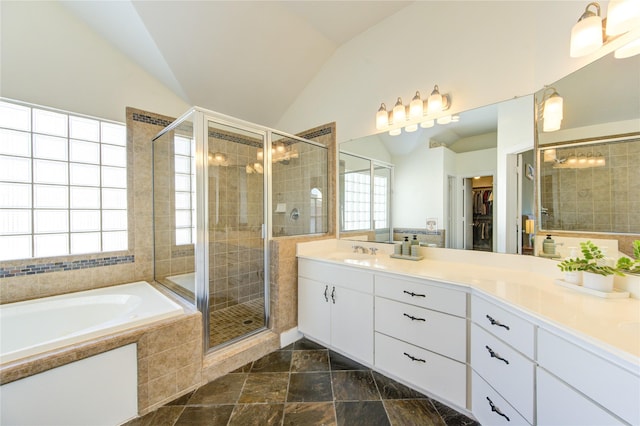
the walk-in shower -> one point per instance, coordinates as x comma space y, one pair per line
214, 214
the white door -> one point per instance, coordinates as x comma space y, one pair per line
467, 212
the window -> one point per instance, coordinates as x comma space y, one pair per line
63, 183
357, 201
316, 211
358, 204
185, 189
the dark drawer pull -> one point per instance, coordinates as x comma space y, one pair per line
496, 323
333, 295
326, 288
412, 318
412, 294
497, 410
413, 358
495, 355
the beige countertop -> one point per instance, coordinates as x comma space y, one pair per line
526, 283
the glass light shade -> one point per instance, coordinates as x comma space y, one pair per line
622, 16
280, 147
628, 50
444, 120
416, 108
395, 132
549, 155
553, 113
399, 113
382, 118
260, 154
551, 125
427, 124
411, 128
586, 36
434, 103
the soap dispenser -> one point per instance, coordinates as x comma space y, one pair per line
414, 242
406, 247
549, 246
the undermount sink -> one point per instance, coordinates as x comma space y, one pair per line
351, 256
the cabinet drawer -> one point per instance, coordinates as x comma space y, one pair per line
422, 293
435, 331
442, 376
558, 404
490, 408
514, 330
507, 371
352, 278
609, 385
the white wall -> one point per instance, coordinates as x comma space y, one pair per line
481, 52
421, 177
515, 135
50, 58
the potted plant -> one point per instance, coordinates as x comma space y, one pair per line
631, 265
572, 268
597, 270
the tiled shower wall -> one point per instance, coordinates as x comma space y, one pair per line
293, 181
236, 267
593, 199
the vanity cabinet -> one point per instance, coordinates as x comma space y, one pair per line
502, 360
335, 307
416, 339
576, 386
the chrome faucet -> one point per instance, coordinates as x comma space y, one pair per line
373, 250
356, 248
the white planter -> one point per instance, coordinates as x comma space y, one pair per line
598, 282
573, 277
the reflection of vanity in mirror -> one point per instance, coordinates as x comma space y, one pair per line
442, 179
433, 168
589, 179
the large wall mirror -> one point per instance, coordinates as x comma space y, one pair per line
442, 182
589, 169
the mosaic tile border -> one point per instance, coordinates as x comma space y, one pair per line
416, 231
43, 268
150, 120
316, 133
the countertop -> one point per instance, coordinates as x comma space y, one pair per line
526, 283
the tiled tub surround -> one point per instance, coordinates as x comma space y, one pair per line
169, 357
602, 331
111, 309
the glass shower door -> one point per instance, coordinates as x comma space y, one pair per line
235, 212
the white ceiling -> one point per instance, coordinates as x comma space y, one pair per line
248, 59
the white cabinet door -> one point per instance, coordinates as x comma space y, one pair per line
558, 404
352, 323
314, 310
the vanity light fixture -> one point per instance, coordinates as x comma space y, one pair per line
628, 50
412, 115
552, 110
591, 31
416, 107
382, 117
586, 34
622, 16
399, 113
217, 159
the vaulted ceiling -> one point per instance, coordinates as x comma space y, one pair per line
248, 59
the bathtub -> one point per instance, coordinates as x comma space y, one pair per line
36, 326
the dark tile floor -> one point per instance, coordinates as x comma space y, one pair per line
303, 384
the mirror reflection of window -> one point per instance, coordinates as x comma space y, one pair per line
315, 212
